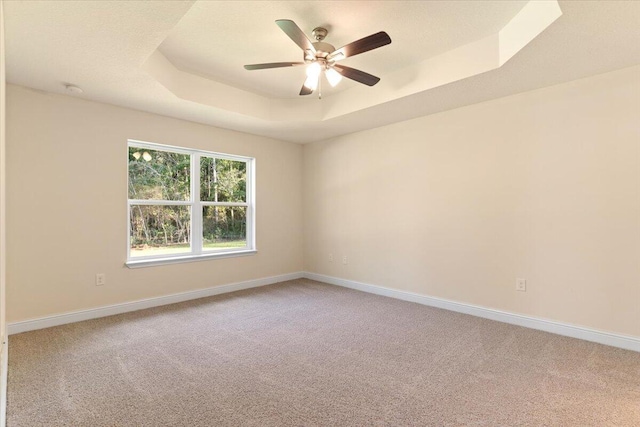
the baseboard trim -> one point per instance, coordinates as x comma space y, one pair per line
110, 310
4, 361
580, 332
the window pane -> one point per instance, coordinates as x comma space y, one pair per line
160, 230
224, 227
158, 175
222, 180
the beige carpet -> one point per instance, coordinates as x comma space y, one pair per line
302, 353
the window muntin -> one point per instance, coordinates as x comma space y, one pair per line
188, 203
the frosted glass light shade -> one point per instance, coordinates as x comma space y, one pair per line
333, 77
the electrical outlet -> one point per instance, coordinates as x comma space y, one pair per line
344, 259
101, 279
521, 285
330, 257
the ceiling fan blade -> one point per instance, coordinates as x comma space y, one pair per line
271, 65
296, 34
305, 90
366, 44
357, 75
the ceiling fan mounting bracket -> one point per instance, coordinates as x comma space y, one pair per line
319, 33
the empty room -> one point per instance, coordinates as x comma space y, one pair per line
319, 213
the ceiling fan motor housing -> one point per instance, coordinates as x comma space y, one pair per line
323, 49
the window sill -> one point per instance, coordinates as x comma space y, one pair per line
187, 258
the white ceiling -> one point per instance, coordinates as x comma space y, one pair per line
215, 39
113, 50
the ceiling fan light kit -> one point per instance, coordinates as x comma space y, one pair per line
320, 57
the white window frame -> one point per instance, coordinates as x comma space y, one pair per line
195, 204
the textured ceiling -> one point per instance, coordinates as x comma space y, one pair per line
103, 47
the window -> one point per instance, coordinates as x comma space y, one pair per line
187, 204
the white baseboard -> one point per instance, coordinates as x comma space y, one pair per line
109, 310
607, 338
4, 361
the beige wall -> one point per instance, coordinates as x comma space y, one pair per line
3, 247
543, 185
67, 209
3, 251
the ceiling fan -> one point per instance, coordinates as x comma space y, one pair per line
321, 57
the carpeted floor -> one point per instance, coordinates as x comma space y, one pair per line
302, 353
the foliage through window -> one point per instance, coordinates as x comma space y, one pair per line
187, 202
